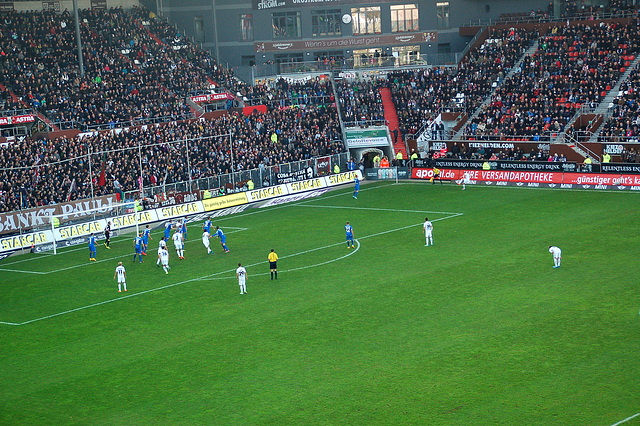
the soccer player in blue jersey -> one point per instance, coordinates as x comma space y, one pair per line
184, 228
92, 247
223, 238
138, 246
207, 225
356, 189
349, 230
146, 236
167, 230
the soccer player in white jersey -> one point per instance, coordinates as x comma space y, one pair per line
205, 241
178, 243
121, 275
161, 245
466, 178
428, 231
241, 273
557, 255
163, 255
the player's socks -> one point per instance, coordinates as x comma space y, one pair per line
276, 275
271, 274
125, 286
119, 287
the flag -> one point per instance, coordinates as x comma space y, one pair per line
72, 188
102, 181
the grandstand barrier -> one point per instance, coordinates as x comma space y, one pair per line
387, 173
77, 232
536, 166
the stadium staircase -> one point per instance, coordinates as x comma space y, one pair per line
530, 51
391, 117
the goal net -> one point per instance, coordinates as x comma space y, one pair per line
75, 227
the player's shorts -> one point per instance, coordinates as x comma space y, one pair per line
121, 280
178, 246
164, 262
107, 235
430, 233
138, 250
241, 281
349, 236
272, 265
205, 242
223, 239
92, 248
145, 241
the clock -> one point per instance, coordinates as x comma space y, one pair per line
346, 18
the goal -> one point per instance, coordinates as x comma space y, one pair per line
72, 228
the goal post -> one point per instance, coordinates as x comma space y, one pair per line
80, 224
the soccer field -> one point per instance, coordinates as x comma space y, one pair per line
477, 329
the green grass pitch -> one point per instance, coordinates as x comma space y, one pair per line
477, 329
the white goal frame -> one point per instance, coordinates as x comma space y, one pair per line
105, 213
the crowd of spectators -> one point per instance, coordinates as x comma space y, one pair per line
421, 95
573, 66
624, 121
260, 140
130, 73
139, 67
360, 101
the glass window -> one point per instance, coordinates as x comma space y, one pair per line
404, 17
286, 25
442, 11
198, 22
325, 22
246, 27
366, 20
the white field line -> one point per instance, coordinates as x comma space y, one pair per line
211, 276
255, 211
97, 261
21, 271
165, 287
626, 420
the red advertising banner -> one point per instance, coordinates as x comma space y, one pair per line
255, 108
17, 119
212, 97
323, 166
586, 180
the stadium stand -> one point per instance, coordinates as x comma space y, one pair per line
574, 66
623, 122
141, 70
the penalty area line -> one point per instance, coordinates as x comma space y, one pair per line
229, 271
169, 286
626, 420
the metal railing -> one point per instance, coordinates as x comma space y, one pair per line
237, 181
73, 124
527, 19
364, 123
387, 62
17, 111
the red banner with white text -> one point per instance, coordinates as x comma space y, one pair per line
550, 179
